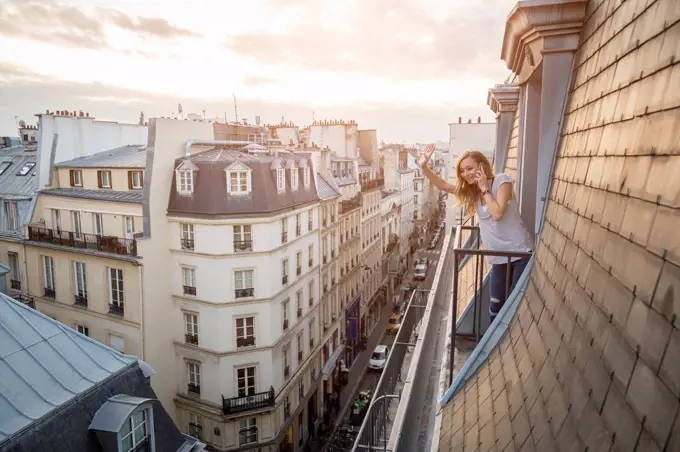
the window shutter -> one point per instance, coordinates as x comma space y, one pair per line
99, 179
71, 178
130, 185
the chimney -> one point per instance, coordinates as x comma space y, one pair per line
460, 119
479, 119
325, 162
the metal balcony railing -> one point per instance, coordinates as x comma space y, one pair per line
284, 237
81, 300
49, 292
191, 338
187, 244
194, 389
93, 242
116, 309
189, 290
241, 246
244, 293
247, 341
249, 402
15, 284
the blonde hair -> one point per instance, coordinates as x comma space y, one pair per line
465, 193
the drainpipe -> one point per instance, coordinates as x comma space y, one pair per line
187, 148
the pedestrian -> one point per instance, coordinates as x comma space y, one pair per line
501, 227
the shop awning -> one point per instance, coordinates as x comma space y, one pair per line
328, 367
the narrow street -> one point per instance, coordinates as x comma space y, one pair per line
361, 377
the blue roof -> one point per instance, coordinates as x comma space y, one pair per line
325, 189
45, 364
130, 156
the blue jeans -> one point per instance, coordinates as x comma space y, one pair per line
497, 287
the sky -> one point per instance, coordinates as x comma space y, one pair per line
404, 67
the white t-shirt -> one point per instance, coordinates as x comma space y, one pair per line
508, 234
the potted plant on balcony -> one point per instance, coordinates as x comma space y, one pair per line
108, 243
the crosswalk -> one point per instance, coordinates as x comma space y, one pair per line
431, 252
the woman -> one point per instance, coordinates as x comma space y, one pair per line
500, 224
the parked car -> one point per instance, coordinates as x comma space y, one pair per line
379, 357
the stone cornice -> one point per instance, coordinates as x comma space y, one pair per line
503, 98
537, 26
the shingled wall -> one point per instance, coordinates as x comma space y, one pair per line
591, 362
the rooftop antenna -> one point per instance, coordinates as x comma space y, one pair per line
204, 113
180, 110
312, 115
235, 107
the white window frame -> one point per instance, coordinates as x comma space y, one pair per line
105, 181
98, 224
117, 286
189, 277
187, 233
245, 435
280, 179
294, 176
191, 323
195, 425
57, 219
137, 179
239, 182
11, 215
76, 220
284, 310
243, 233
194, 373
129, 223
144, 424
80, 276
185, 181
14, 266
242, 276
242, 327
77, 178
82, 329
48, 272
306, 178
247, 389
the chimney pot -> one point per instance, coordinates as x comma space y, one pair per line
460, 119
479, 119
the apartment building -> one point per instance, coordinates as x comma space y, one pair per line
344, 175
390, 232
372, 183
332, 312
81, 260
26, 166
425, 200
238, 243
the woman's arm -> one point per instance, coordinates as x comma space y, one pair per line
498, 205
436, 180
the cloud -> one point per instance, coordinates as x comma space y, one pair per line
25, 93
256, 80
56, 23
396, 39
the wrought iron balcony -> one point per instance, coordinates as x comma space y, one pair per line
311, 343
28, 301
81, 300
247, 341
300, 356
15, 284
302, 391
310, 226
241, 246
325, 259
194, 389
311, 262
249, 402
332, 281
332, 254
297, 231
191, 338
93, 242
298, 271
286, 372
285, 324
299, 313
244, 293
188, 244
189, 290
116, 309
324, 222
284, 279
49, 293
311, 301
284, 237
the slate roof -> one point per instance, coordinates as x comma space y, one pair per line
131, 196
590, 360
326, 190
210, 196
54, 380
13, 186
130, 156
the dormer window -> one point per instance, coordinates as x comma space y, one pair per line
239, 182
280, 179
294, 174
125, 424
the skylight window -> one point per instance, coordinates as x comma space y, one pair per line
25, 169
4, 166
